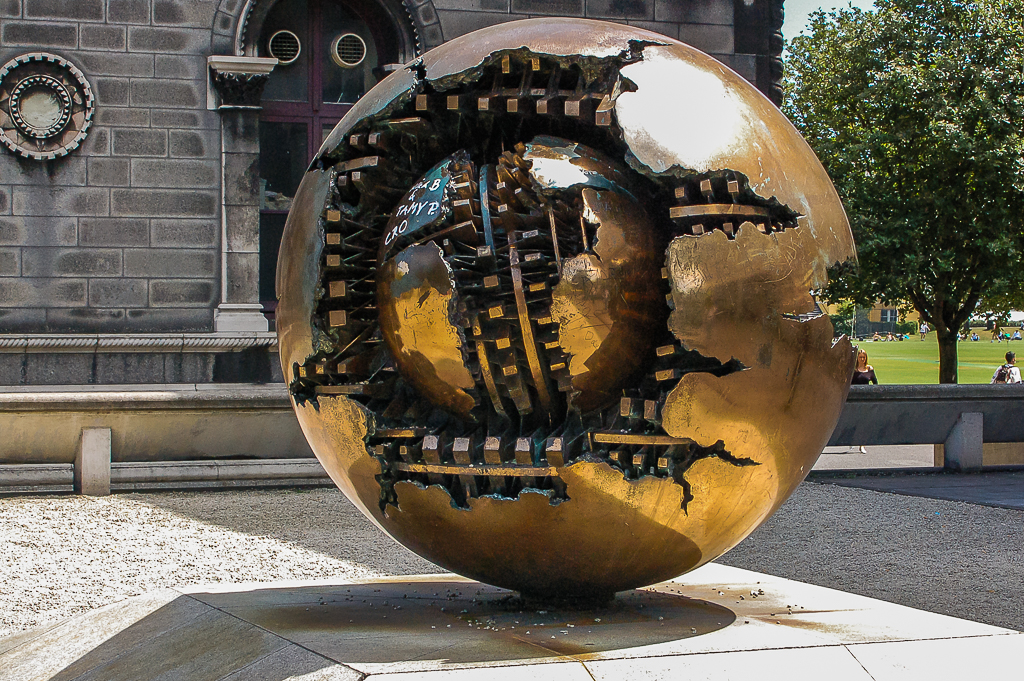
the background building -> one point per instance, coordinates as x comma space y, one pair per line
151, 149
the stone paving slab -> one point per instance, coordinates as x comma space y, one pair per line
1002, 489
716, 622
876, 456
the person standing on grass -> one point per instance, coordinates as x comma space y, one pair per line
924, 329
997, 334
1006, 373
864, 373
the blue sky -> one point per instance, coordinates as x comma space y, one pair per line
797, 12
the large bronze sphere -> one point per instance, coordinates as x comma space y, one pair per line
546, 307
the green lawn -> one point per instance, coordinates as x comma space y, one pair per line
914, 361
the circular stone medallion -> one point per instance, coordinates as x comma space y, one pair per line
46, 106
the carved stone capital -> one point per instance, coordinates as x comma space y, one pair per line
239, 81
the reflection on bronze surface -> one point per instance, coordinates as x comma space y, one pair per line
417, 301
551, 324
608, 303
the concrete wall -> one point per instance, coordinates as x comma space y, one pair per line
257, 422
993, 454
33, 368
251, 422
927, 414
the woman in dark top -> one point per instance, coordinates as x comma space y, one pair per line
864, 373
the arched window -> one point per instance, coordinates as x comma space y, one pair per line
330, 53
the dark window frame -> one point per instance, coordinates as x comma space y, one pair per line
314, 112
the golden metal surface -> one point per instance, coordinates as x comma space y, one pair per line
606, 303
717, 209
526, 328
631, 439
417, 302
564, 368
485, 469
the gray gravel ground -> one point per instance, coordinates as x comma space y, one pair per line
948, 557
62, 555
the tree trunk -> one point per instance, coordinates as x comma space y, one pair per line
947, 354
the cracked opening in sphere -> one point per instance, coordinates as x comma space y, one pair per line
505, 313
458, 264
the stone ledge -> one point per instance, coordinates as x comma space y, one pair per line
930, 414
241, 421
36, 477
169, 475
107, 399
150, 472
944, 392
186, 342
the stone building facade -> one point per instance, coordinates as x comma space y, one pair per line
150, 148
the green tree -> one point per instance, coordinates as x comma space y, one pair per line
916, 109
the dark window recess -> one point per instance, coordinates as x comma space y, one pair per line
284, 155
288, 82
339, 45
253, 365
344, 83
271, 230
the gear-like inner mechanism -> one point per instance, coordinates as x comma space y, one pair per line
493, 288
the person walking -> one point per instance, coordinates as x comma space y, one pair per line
864, 373
924, 329
1006, 373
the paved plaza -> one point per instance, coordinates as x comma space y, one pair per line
66, 555
718, 623
872, 457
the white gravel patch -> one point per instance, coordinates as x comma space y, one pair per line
62, 555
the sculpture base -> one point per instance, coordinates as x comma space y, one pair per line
716, 622
577, 602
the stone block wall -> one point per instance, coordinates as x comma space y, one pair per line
251, 365
708, 25
122, 235
152, 225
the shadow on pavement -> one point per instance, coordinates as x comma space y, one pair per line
278, 633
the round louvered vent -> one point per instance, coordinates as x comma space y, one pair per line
348, 50
285, 46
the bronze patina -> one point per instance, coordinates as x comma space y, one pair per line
547, 307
